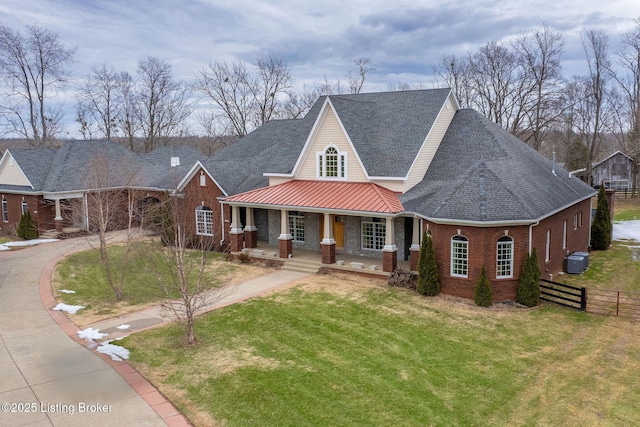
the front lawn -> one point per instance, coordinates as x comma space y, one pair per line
347, 351
85, 275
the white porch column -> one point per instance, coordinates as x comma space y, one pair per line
250, 223
284, 226
389, 237
58, 211
327, 238
417, 233
236, 227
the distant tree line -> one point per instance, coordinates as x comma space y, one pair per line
519, 85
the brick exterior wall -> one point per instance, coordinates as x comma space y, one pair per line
204, 195
42, 212
577, 238
482, 250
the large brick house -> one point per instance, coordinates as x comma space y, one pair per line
365, 174
360, 175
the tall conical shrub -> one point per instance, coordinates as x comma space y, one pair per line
428, 277
26, 228
528, 290
601, 226
482, 295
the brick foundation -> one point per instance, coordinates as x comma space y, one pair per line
251, 239
286, 248
389, 260
414, 257
328, 253
236, 242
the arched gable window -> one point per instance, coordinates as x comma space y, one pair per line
459, 256
504, 258
332, 163
204, 221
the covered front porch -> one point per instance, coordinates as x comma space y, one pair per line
332, 221
311, 260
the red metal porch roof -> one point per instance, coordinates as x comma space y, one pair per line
335, 195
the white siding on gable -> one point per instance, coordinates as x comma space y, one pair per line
11, 174
330, 133
428, 151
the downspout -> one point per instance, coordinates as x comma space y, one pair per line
222, 223
531, 235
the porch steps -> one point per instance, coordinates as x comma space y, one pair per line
302, 265
49, 234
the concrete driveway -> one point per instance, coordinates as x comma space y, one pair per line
47, 378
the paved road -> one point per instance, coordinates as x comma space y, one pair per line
49, 379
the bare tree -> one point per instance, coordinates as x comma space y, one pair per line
595, 114
32, 66
628, 80
181, 263
110, 206
540, 54
163, 103
453, 72
247, 98
357, 81
100, 101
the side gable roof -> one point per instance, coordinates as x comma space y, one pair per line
34, 163
481, 173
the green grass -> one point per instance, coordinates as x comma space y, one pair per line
84, 274
377, 356
612, 269
626, 209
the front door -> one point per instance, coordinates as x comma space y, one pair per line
338, 230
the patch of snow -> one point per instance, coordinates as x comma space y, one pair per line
71, 309
66, 291
7, 246
626, 230
123, 326
91, 334
116, 352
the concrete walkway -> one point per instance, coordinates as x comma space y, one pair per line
49, 378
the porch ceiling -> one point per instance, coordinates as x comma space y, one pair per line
334, 195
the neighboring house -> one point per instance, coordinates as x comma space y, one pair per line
360, 174
365, 174
57, 184
615, 171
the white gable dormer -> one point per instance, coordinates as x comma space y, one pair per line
11, 173
328, 153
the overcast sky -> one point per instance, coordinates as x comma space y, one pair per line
318, 38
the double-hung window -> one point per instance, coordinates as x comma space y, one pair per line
204, 221
5, 210
459, 256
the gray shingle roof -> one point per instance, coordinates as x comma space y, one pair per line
382, 126
482, 173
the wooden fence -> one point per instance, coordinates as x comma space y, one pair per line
566, 295
597, 301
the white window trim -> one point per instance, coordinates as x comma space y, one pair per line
321, 164
204, 217
508, 243
295, 226
375, 225
466, 245
25, 207
547, 247
5, 211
